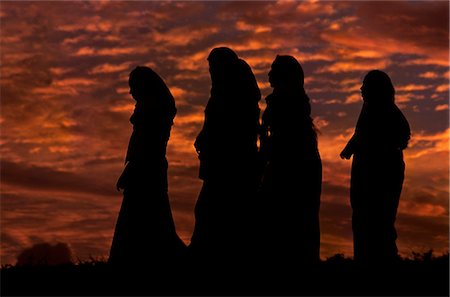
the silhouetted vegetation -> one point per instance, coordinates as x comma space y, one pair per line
421, 275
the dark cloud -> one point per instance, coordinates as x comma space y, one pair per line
432, 231
85, 221
42, 178
45, 254
394, 19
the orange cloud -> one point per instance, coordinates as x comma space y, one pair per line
368, 54
441, 107
403, 98
182, 95
435, 143
412, 87
260, 63
429, 74
88, 24
351, 66
183, 36
354, 39
321, 123
243, 26
51, 92
125, 107
121, 51
254, 45
442, 88
439, 59
421, 209
354, 98
110, 68
74, 40
116, 51
315, 8
59, 70
60, 149
309, 57
331, 146
85, 51
192, 62
61, 87
73, 81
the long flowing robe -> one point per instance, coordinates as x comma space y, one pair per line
228, 154
145, 231
291, 186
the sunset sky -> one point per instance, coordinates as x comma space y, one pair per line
65, 105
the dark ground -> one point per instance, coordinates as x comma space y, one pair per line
424, 275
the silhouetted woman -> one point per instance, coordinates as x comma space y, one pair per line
145, 231
291, 185
227, 149
381, 135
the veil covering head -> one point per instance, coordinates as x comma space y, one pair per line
378, 88
247, 82
222, 55
153, 92
288, 79
289, 71
222, 67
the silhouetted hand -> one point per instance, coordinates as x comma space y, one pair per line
199, 141
122, 181
346, 153
120, 185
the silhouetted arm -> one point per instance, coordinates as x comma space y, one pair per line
264, 137
349, 149
204, 137
199, 140
354, 142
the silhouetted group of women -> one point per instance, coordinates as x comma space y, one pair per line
259, 204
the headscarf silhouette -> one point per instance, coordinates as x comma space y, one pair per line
150, 92
378, 88
381, 134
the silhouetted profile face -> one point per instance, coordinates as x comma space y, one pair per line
221, 60
286, 71
143, 82
377, 88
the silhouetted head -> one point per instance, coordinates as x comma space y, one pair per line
286, 72
222, 61
145, 83
148, 89
377, 88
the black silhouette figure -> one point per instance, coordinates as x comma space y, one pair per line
291, 185
381, 135
228, 153
145, 232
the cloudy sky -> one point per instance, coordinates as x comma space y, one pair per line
65, 105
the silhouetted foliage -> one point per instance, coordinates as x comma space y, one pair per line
421, 275
45, 254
